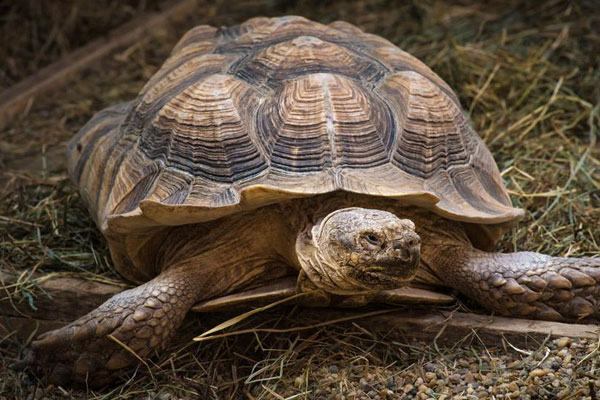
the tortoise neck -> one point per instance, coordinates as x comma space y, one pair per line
314, 265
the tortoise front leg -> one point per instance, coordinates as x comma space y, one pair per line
97, 346
524, 284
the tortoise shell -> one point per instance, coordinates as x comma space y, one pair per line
280, 108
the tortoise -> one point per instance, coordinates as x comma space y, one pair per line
285, 148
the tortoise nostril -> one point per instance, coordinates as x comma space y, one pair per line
410, 243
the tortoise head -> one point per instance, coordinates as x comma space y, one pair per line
356, 250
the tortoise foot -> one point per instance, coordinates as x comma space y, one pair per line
97, 347
75, 353
527, 284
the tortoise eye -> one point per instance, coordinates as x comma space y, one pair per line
373, 239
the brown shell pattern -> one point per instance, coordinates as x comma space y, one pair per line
280, 108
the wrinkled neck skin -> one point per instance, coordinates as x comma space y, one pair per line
306, 255
313, 263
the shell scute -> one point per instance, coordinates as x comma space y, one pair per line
304, 55
204, 131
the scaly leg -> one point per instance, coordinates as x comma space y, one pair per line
143, 319
523, 284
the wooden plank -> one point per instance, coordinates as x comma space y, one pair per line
72, 297
63, 298
427, 325
18, 99
450, 328
282, 288
51, 158
24, 328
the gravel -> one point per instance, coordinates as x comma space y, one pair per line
561, 369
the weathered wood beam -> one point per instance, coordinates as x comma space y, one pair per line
62, 298
18, 98
70, 297
450, 328
51, 159
23, 328
283, 288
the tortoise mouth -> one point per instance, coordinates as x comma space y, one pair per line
403, 277
387, 275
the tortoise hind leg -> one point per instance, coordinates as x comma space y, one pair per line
97, 346
523, 284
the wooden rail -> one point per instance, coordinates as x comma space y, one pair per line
19, 98
70, 297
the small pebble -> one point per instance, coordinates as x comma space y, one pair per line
334, 369
469, 377
538, 372
563, 342
430, 367
368, 388
562, 353
514, 395
459, 389
556, 383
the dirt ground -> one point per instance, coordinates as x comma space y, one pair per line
527, 75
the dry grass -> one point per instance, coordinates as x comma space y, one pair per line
36, 33
527, 72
